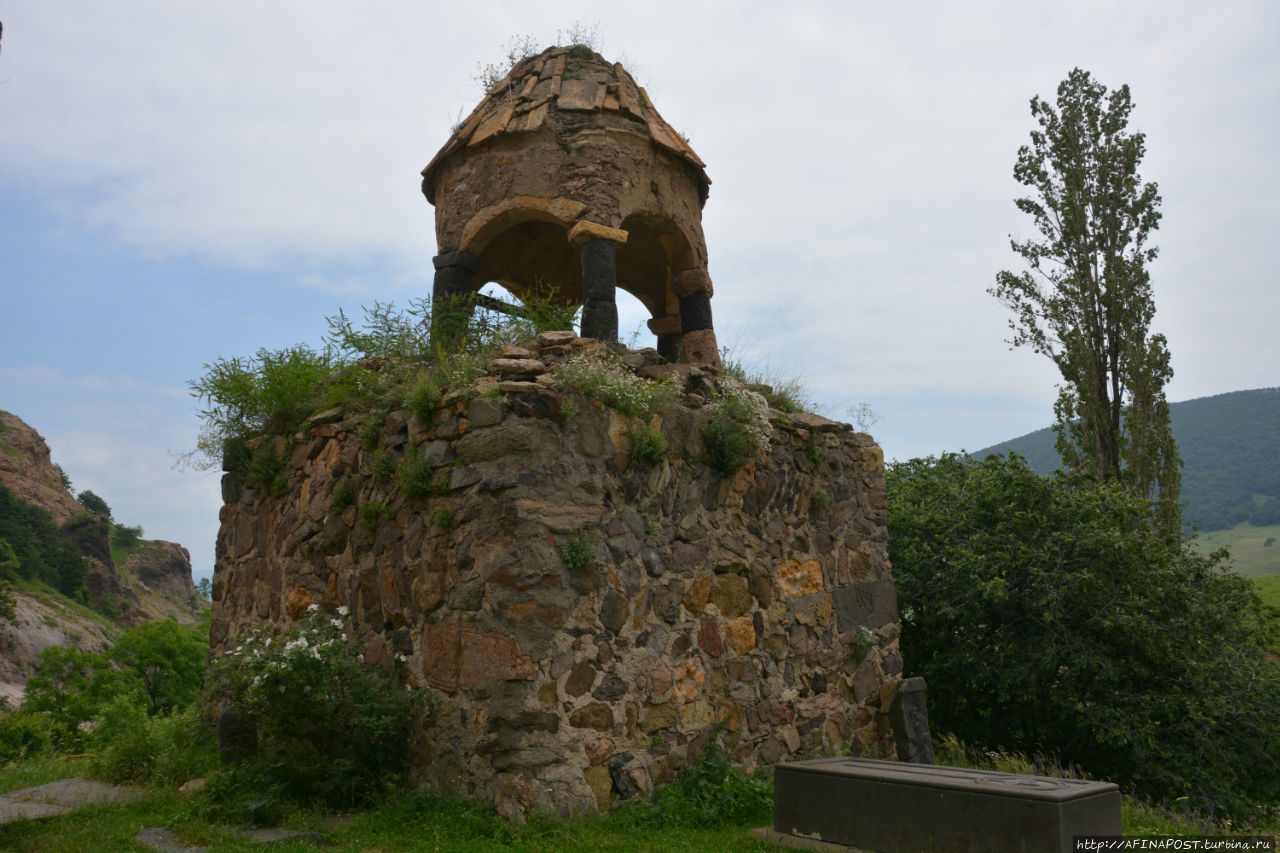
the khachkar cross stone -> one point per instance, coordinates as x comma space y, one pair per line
566, 183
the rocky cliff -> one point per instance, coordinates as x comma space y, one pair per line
27, 469
587, 619
154, 581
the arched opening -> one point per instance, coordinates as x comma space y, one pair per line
656, 249
533, 259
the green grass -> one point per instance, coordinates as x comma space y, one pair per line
1250, 555
409, 822
428, 821
1269, 589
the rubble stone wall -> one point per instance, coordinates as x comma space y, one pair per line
587, 621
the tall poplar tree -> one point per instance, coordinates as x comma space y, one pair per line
1085, 299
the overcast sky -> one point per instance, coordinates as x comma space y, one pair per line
181, 181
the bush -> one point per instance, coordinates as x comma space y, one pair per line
712, 793
24, 735
125, 535
72, 687
168, 750
578, 551
647, 441
615, 386
1050, 614
332, 729
167, 660
39, 550
93, 504
739, 432
417, 477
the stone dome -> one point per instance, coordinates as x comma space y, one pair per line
566, 181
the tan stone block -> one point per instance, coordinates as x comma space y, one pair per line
660, 716
598, 750
691, 281
584, 230
597, 715
730, 596
695, 599
790, 738
559, 517
688, 678
668, 325
601, 785
740, 634
796, 578
701, 348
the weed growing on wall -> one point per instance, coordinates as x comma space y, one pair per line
739, 431
615, 386
388, 363
647, 442
578, 551
332, 728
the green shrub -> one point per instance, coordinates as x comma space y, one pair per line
332, 729
712, 792
264, 466
168, 661
168, 749
417, 477
373, 514
1052, 614
381, 466
443, 517
578, 551
423, 397
738, 432
647, 441
275, 391
24, 735
93, 504
72, 687
819, 498
38, 550
126, 536
615, 386
370, 433
344, 494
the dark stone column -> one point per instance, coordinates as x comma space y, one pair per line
599, 289
451, 293
669, 346
698, 344
695, 311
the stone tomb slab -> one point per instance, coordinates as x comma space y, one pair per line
891, 806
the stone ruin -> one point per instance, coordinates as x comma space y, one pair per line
566, 177
587, 621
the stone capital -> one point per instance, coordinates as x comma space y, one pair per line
583, 231
668, 325
691, 281
457, 258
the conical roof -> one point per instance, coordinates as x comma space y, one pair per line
566, 79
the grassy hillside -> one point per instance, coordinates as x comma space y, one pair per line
1230, 446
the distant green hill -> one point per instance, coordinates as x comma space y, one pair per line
1230, 446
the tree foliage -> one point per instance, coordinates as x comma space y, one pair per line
94, 504
157, 667
1050, 614
1085, 302
166, 659
41, 552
